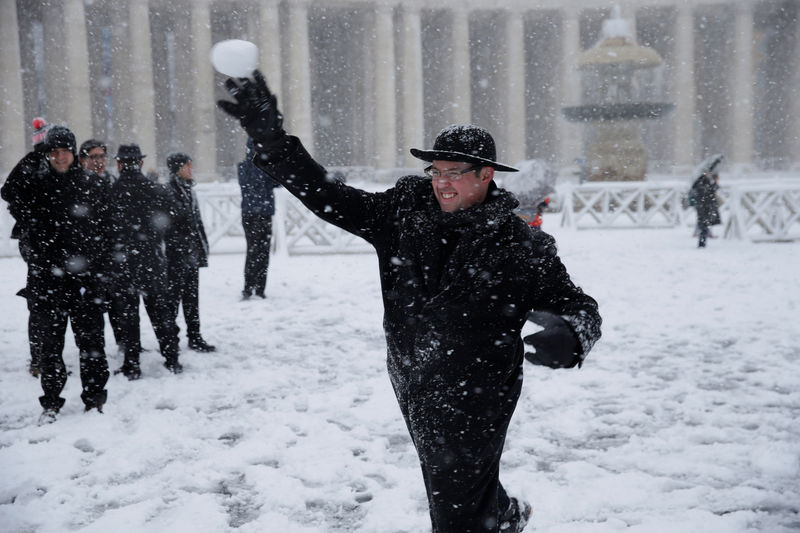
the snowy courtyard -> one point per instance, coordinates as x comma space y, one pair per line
684, 417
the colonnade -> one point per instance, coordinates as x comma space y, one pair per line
410, 92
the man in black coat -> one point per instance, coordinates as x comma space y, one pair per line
62, 213
258, 207
704, 190
459, 273
140, 212
187, 248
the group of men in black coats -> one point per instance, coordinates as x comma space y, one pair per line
94, 243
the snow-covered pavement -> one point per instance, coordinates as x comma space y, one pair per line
683, 419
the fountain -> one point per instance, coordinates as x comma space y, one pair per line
615, 151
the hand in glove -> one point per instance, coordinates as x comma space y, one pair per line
556, 346
256, 108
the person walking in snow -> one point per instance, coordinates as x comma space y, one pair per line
139, 217
258, 207
459, 273
187, 248
62, 212
704, 191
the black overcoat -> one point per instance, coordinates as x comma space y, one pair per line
140, 214
705, 197
456, 290
185, 236
64, 219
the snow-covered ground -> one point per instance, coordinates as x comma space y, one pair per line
683, 419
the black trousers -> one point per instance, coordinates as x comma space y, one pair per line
258, 234
156, 297
48, 318
459, 445
184, 283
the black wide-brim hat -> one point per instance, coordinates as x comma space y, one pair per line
464, 143
129, 152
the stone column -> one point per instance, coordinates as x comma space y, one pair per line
203, 105
685, 93
413, 123
794, 94
743, 82
12, 119
515, 104
385, 118
79, 112
461, 78
297, 112
142, 91
569, 134
270, 47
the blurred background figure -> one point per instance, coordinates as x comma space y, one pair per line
258, 207
187, 248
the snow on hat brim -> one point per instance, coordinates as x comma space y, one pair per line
447, 155
467, 143
129, 152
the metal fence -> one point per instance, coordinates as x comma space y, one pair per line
756, 210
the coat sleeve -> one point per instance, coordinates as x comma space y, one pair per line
557, 294
354, 210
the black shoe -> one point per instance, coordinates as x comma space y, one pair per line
261, 295
246, 295
129, 370
516, 516
173, 366
199, 345
48, 416
98, 406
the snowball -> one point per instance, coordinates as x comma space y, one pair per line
234, 58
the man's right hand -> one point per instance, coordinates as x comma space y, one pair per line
256, 108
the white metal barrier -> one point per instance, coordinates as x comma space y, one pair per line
758, 210
755, 210
764, 212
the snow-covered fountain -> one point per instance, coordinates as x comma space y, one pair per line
615, 103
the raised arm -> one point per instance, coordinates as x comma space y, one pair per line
285, 159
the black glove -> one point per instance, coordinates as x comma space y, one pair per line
32, 161
556, 346
257, 110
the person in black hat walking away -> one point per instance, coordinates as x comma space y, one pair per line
187, 248
140, 215
62, 212
258, 207
459, 273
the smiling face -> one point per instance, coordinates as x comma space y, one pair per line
95, 160
61, 159
467, 190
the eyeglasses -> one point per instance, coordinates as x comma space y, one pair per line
448, 175
97, 157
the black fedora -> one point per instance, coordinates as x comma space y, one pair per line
466, 143
129, 152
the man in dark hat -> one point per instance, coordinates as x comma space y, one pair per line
187, 248
139, 217
63, 214
460, 272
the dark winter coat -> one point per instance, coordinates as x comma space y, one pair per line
704, 191
257, 187
185, 236
140, 214
456, 289
64, 221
